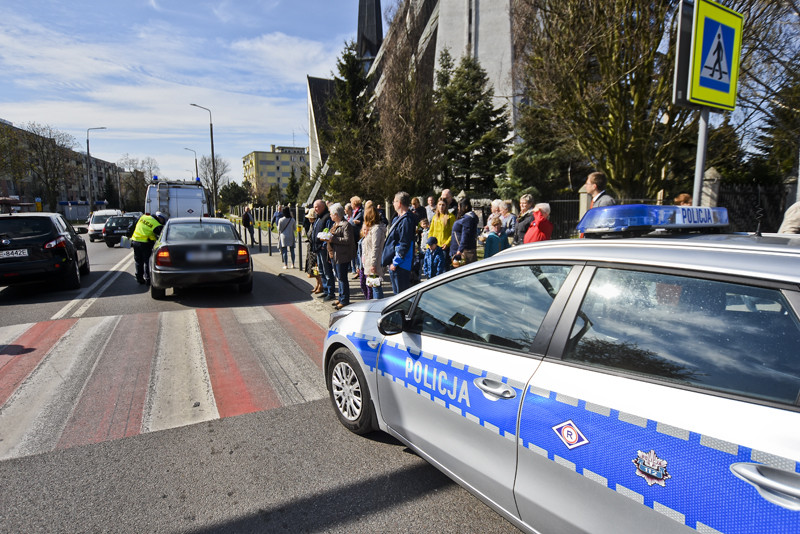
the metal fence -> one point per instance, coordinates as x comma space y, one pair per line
565, 213
746, 203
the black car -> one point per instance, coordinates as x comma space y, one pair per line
118, 226
41, 246
196, 251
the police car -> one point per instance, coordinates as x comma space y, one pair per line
603, 385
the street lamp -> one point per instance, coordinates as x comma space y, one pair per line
213, 159
89, 167
196, 172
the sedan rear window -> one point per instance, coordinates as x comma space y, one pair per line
120, 222
25, 226
716, 335
200, 232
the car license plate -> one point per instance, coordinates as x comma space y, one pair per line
120, 231
17, 253
204, 256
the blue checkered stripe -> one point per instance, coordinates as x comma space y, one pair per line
701, 492
366, 346
449, 385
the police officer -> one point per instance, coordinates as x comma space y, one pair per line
144, 237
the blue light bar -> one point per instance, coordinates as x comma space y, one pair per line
644, 218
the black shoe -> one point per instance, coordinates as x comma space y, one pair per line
140, 280
328, 298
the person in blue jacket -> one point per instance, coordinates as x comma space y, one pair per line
496, 240
464, 241
398, 251
435, 262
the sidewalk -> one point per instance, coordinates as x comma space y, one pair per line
312, 305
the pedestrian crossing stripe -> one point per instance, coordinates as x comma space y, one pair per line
716, 47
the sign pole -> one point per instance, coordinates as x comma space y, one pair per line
700, 161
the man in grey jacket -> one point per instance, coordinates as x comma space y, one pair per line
596, 188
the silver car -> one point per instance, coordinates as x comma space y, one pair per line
596, 385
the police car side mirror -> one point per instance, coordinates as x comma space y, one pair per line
392, 323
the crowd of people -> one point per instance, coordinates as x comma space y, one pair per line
355, 242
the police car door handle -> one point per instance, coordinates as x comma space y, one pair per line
495, 388
775, 485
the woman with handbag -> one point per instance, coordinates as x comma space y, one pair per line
372, 242
341, 250
286, 236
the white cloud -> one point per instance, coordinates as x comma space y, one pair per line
139, 81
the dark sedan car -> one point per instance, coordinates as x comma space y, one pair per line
198, 252
41, 246
118, 227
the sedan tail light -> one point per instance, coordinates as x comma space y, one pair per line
242, 255
162, 257
59, 242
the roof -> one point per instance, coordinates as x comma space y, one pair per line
320, 91
204, 220
770, 257
29, 214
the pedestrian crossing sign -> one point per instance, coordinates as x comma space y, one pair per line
716, 46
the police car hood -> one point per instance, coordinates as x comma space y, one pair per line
373, 306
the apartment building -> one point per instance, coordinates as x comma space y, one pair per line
274, 168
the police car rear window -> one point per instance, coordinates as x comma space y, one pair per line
717, 335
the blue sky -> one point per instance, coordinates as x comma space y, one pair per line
134, 66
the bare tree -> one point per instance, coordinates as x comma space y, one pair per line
134, 183
14, 160
600, 73
149, 168
210, 181
410, 136
50, 152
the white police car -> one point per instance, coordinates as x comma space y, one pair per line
597, 385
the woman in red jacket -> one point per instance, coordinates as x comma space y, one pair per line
541, 228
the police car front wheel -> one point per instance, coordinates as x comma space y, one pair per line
349, 393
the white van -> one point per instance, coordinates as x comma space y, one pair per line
96, 222
176, 199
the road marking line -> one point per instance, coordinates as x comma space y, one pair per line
114, 273
180, 390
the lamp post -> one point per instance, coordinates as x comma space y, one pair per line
196, 172
119, 187
213, 160
89, 167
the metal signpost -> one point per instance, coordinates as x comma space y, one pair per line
707, 68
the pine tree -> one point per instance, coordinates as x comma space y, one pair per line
352, 138
475, 132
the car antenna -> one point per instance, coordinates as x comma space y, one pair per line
759, 213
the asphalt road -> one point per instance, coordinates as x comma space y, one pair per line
291, 468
